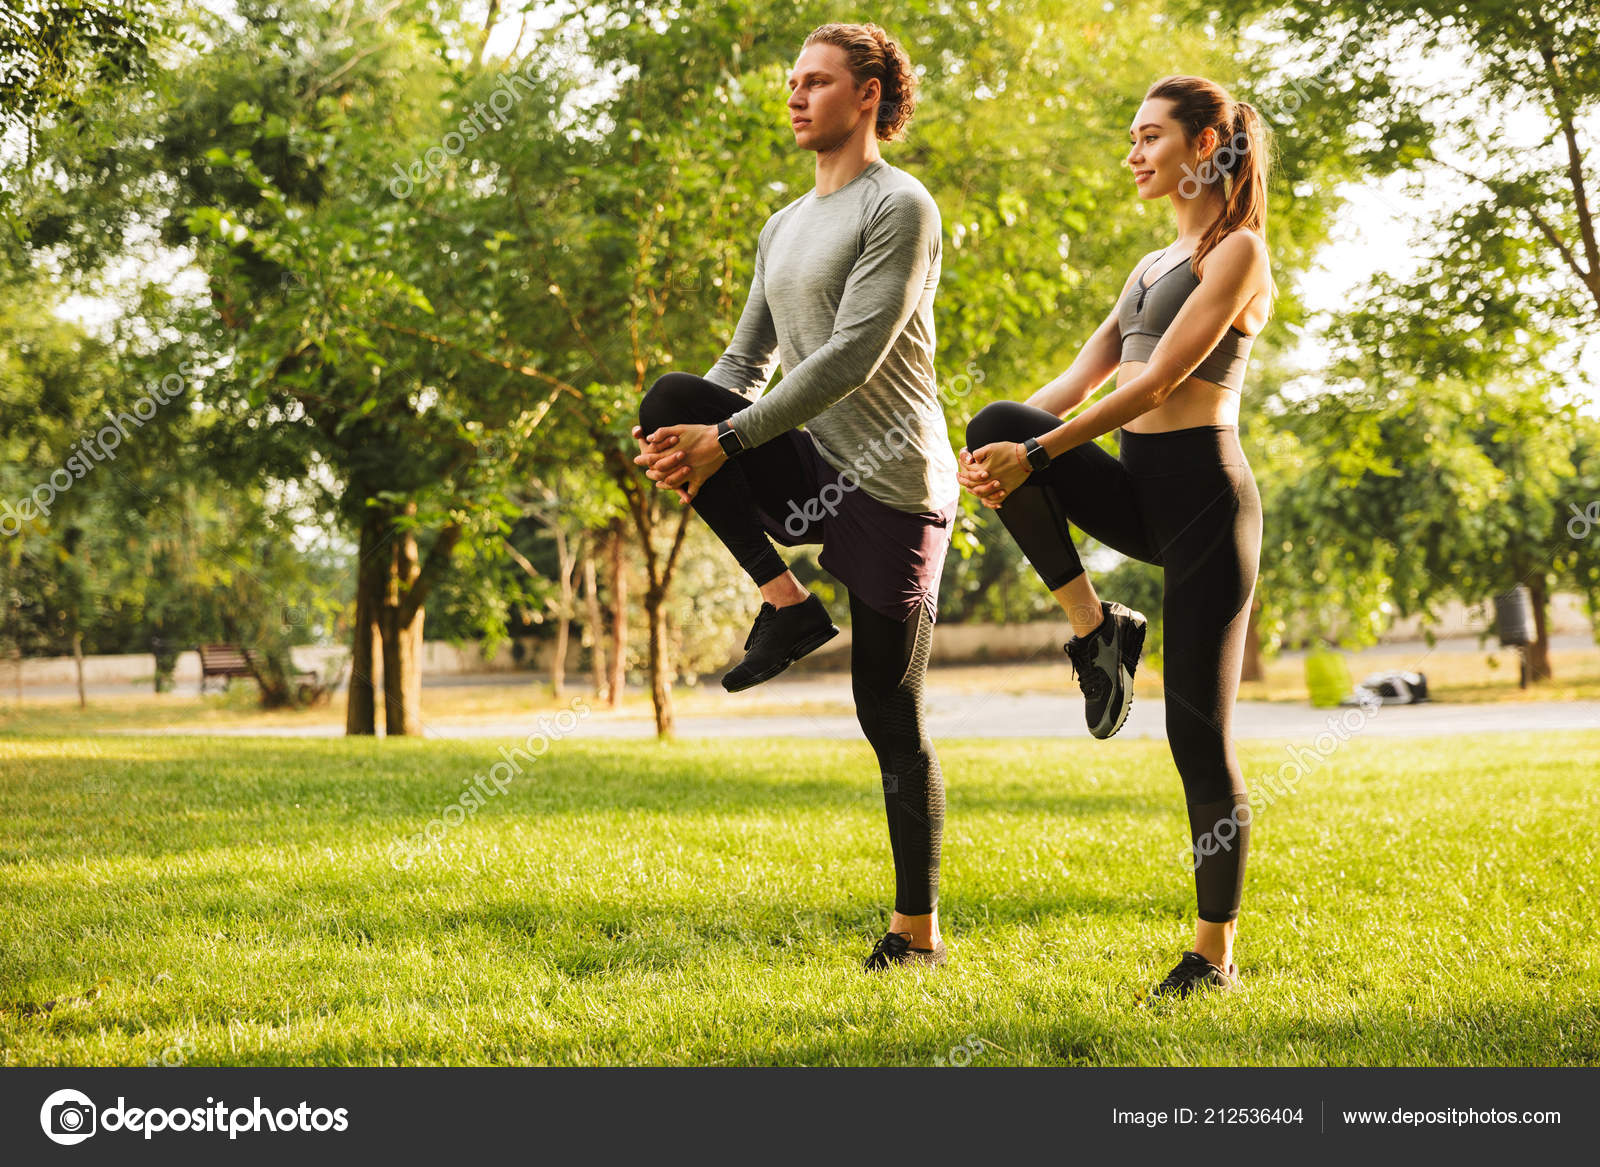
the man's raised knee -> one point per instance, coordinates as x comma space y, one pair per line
662, 403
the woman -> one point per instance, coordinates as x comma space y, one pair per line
1181, 495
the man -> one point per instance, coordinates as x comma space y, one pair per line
843, 294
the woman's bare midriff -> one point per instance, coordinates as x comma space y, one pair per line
1195, 402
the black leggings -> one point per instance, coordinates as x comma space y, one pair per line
888, 665
888, 657
1186, 501
771, 475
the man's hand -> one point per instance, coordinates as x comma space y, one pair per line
650, 453
685, 456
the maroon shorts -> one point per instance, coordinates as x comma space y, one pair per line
890, 558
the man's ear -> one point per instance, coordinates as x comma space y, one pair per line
874, 88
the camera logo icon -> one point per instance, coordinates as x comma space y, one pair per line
68, 1117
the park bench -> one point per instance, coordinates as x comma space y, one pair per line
232, 660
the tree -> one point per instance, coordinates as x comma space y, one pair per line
363, 320
1508, 287
53, 50
1400, 497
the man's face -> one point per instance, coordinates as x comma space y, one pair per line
825, 104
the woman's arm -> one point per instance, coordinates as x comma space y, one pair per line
1096, 362
1235, 270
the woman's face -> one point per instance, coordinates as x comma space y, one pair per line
1158, 155
825, 104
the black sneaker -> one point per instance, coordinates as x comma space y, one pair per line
1195, 972
1104, 662
895, 949
778, 638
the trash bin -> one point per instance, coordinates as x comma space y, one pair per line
1327, 678
166, 661
1513, 617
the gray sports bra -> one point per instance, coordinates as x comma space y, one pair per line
1145, 312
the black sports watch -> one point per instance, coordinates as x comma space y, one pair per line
1038, 456
728, 439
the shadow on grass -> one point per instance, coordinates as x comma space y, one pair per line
197, 795
1238, 1031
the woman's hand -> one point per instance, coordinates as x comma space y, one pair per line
686, 455
993, 472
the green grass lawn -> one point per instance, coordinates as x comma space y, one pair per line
1429, 902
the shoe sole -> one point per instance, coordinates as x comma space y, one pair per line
1131, 648
1152, 999
913, 960
803, 648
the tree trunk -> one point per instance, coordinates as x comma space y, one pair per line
1539, 651
619, 619
1252, 670
273, 667
402, 643
566, 562
595, 630
402, 673
558, 663
660, 667
77, 657
361, 713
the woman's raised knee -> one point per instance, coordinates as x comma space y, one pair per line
1000, 421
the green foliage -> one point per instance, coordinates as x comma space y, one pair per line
1388, 500
426, 302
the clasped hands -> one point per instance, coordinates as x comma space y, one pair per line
680, 457
993, 472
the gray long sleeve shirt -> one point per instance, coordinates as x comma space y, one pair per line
843, 295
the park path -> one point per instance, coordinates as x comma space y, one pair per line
955, 712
